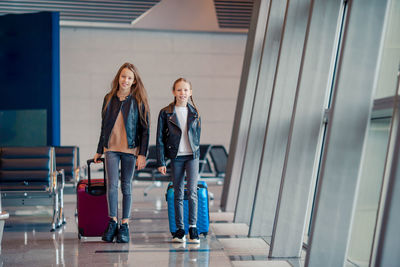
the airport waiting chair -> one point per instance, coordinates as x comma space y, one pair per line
204, 162
67, 158
150, 172
28, 177
219, 158
206, 170
151, 164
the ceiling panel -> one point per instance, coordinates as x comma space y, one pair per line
111, 11
234, 14
230, 14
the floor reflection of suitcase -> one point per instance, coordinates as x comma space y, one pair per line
92, 205
203, 218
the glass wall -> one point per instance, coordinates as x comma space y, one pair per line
23, 127
369, 194
340, 146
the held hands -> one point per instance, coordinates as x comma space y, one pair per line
96, 157
141, 162
162, 169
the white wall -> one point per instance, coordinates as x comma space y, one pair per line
90, 58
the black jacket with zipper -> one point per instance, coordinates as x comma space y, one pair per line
169, 133
137, 131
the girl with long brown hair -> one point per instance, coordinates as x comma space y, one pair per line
124, 139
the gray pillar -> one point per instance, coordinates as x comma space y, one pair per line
347, 127
280, 113
260, 111
244, 104
307, 127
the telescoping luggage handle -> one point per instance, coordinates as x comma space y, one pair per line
90, 161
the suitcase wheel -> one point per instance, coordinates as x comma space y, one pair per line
79, 236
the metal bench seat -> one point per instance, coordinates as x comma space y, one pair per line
28, 177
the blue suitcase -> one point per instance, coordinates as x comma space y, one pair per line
203, 217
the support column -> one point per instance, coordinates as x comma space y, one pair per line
260, 111
244, 104
279, 117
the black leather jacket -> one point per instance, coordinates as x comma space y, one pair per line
169, 133
137, 132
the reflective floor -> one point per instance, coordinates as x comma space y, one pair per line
27, 240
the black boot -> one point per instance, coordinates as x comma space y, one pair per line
111, 231
123, 233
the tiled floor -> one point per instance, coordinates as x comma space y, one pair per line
28, 242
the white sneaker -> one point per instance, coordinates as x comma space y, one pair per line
194, 235
179, 236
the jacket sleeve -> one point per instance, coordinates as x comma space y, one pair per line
100, 146
199, 129
143, 132
160, 146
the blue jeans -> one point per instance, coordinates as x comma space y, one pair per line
128, 162
178, 168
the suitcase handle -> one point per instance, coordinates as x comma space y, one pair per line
90, 161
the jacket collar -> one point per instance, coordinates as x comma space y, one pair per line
171, 109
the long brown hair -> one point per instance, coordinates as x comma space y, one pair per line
191, 97
137, 91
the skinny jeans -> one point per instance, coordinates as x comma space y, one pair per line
112, 162
178, 167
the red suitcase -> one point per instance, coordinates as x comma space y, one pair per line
92, 205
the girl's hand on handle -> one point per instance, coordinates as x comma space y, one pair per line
141, 162
162, 169
96, 157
